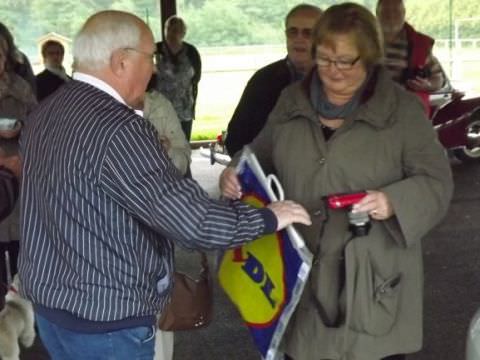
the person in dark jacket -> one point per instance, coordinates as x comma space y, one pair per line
179, 68
54, 74
265, 86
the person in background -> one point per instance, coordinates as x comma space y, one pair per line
265, 86
347, 128
54, 75
161, 114
102, 204
408, 53
179, 68
9, 173
16, 101
21, 65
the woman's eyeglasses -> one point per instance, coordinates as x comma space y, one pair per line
342, 64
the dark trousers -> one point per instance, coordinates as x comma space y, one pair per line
12, 249
187, 130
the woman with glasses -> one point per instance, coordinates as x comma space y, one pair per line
349, 128
179, 69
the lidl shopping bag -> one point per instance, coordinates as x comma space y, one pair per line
265, 278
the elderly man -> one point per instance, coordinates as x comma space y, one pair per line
102, 204
265, 86
54, 74
408, 53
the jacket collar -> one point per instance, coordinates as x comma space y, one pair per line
378, 100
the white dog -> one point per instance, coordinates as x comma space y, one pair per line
16, 324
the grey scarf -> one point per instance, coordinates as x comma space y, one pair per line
325, 108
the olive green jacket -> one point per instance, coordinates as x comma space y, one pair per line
387, 144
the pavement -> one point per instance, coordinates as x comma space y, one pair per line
452, 282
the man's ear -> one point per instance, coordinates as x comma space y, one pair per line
118, 61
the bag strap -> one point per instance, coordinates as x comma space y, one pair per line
205, 272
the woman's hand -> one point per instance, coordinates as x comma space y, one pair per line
376, 204
229, 184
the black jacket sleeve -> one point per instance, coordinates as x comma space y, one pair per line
257, 101
196, 61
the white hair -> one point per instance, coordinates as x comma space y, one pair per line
101, 35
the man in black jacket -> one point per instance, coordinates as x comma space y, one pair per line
54, 76
265, 86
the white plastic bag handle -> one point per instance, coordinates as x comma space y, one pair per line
273, 179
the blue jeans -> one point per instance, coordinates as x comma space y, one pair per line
129, 344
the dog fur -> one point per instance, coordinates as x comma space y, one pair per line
16, 324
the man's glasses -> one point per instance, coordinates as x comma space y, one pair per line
151, 56
293, 32
342, 64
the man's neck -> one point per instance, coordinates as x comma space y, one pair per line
301, 68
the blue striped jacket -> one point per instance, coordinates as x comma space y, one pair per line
101, 205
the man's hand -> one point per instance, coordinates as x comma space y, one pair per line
229, 184
289, 212
420, 84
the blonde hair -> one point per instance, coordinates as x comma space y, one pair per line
357, 22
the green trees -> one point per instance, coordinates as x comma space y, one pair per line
214, 22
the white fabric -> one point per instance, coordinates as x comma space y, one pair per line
60, 72
164, 345
160, 112
102, 85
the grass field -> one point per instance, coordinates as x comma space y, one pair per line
227, 70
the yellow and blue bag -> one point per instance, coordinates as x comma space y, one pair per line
265, 278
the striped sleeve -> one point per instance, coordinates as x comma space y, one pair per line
137, 174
